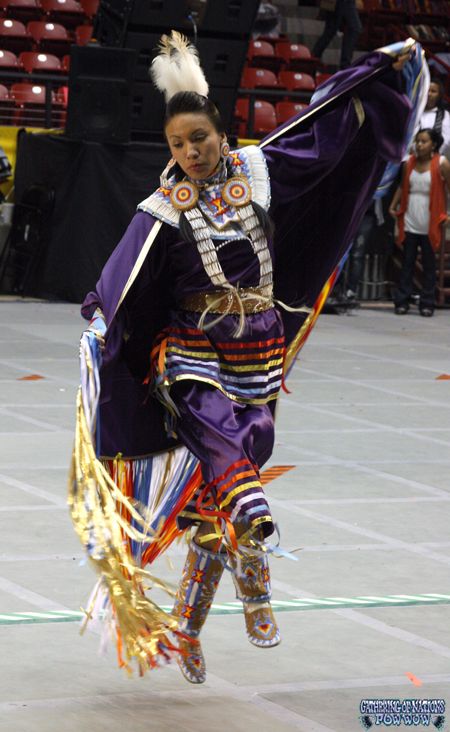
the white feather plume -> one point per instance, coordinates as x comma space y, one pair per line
177, 67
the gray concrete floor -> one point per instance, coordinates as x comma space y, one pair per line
367, 429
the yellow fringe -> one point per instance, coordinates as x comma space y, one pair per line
142, 627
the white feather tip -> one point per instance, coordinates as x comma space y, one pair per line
177, 68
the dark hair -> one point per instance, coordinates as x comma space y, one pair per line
188, 101
435, 137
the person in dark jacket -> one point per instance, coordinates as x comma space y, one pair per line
344, 11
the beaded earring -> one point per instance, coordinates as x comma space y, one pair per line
163, 179
224, 151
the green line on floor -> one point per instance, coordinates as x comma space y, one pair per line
235, 608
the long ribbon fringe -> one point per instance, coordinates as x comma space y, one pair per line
142, 630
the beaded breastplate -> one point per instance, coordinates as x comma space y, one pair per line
220, 208
221, 215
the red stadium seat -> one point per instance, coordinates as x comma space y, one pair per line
6, 105
13, 35
61, 6
297, 57
51, 37
83, 34
262, 55
241, 116
241, 109
254, 78
62, 96
8, 60
292, 51
30, 105
286, 110
29, 102
260, 48
296, 81
25, 93
66, 63
67, 12
264, 117
90, 7
23, 10
39, 62
61, 101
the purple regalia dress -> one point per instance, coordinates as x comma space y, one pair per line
202, 389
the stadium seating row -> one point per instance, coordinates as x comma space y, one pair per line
58, 10
38, 62
41, 35
293, 80
27, 104
281, 55
266, 116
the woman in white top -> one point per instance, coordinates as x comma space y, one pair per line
436, 117
421, 214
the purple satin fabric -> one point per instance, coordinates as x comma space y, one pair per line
222, 433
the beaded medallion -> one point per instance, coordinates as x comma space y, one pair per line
184, 195
237, 191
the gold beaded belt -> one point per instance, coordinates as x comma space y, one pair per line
247, 300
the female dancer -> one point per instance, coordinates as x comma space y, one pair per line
197, 325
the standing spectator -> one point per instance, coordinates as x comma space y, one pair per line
423, 210
436, 116
355, 267
344, 10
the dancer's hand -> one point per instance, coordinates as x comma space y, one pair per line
402, 59
97, 326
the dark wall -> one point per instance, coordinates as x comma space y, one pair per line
97, 189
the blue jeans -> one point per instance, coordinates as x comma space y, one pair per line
405, 287
358, 252
345, 11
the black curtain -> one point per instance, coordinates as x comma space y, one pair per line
97, 188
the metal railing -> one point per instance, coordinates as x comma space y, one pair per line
267, 94
47, 110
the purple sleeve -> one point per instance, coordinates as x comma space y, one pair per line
310, 146
117, 269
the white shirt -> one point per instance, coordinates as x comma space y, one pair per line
417, 215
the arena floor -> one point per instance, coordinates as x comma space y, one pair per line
364, 612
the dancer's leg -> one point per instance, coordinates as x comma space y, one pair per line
231, 441
199, 581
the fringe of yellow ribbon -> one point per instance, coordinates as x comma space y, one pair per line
143, 630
